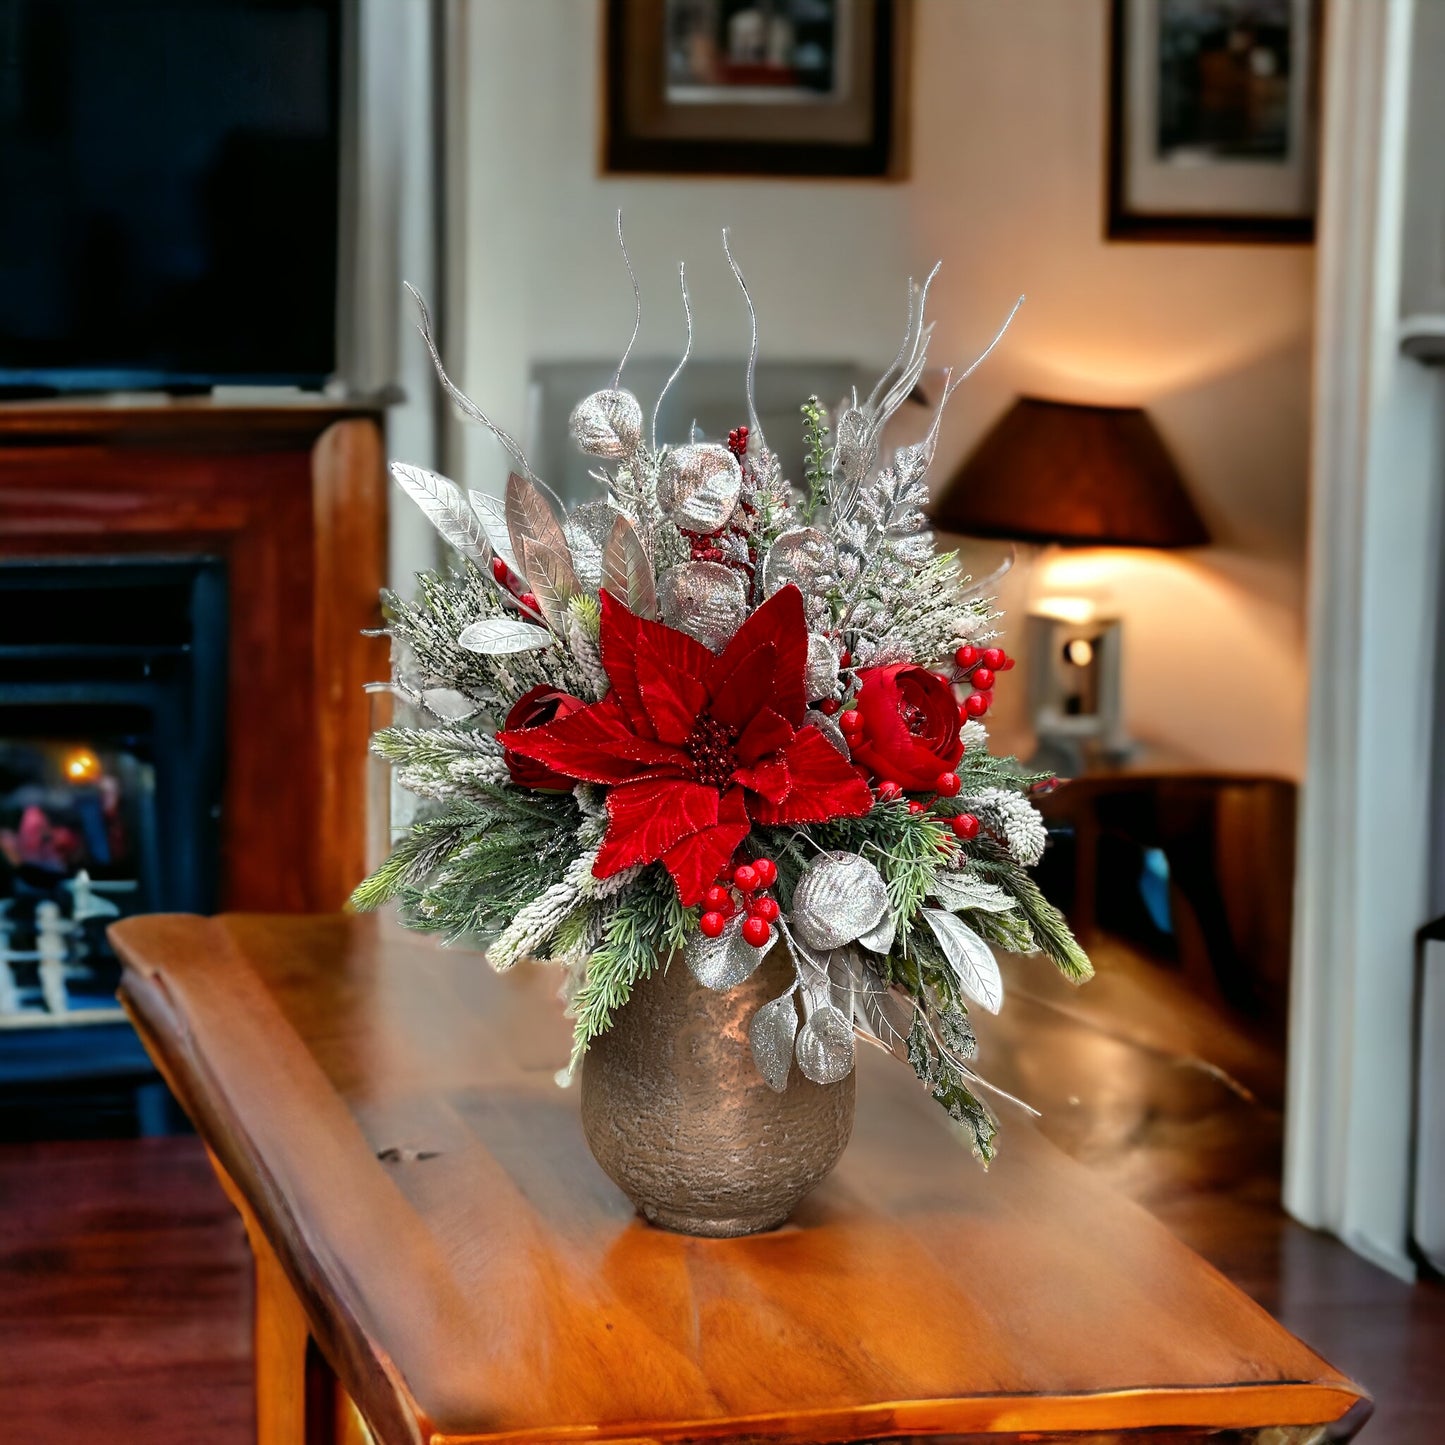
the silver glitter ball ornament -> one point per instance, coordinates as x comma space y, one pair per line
698, 486
704, 599
607, 424
803, 556
587, 529
839, 898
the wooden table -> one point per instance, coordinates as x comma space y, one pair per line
438, 1256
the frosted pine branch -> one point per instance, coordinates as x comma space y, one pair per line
587, 659
533, 927
1014, 821
420, 747
579, 874
975, 736
460, 775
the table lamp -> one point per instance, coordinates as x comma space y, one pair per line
1062, 474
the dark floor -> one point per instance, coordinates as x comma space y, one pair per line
124, 1277
125, 1312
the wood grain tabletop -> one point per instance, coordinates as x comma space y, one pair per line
388, 1111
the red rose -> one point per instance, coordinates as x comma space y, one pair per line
910, 726
541, 705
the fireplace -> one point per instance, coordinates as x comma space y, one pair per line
184, 588
112, 714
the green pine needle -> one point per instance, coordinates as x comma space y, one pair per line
644, 929
1051, 934
416, 855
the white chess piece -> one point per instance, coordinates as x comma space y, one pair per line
9, 999
86, 904
50, 931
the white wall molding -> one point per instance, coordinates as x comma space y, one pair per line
1362, 888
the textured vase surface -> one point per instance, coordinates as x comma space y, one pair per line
678, 1116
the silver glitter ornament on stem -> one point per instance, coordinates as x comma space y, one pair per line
679, 1115
607, 424
704, 599
698, 486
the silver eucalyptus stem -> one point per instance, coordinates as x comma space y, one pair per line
637, 303
687, 351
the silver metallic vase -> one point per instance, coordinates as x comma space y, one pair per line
678, 1116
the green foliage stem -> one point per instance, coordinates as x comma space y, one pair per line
645, 928
817, 456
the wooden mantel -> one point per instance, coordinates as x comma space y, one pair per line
291, 495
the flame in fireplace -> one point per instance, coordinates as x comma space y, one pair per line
81, 765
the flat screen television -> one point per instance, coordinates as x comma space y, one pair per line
168, 193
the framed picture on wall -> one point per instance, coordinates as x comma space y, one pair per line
755, 87
1212, 120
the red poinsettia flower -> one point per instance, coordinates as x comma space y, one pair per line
697, 747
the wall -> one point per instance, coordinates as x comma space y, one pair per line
1005, 187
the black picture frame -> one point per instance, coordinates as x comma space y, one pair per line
633, 81
1124, 222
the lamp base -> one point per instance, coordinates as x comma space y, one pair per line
1075, 671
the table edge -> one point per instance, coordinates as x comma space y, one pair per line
341, 1338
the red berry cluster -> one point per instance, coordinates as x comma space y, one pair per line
751, 881
738, 441
509, 582
979, 666
704, 547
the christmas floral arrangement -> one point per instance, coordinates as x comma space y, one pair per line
707, 714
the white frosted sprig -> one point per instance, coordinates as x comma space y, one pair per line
457, 775
1014, 821
587, 658
974, 735
533, 927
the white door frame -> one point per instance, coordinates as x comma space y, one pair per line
1363, 884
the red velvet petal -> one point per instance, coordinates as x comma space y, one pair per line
769, 778
595, 745
766, 733
620, 628
672, 695
647, 818
825, 785
746, 688
697, 861
912, 765
779, 620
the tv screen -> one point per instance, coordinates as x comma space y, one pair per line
168, 192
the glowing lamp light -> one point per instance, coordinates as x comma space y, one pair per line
1066, 609
81, 765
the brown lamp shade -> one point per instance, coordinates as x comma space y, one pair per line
1052, 471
